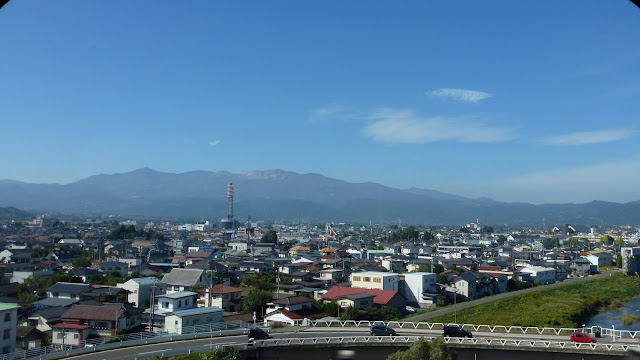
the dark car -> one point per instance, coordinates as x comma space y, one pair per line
582, 338
456, 331
381, 330
258, 334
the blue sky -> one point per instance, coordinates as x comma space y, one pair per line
513, 100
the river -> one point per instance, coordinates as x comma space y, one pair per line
609, 319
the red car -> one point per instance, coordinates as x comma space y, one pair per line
582, 338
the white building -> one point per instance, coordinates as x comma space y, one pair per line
375, 280
140, 289
416, 284
545, 275
9, 321
177, 321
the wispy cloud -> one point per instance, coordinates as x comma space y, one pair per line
328, 112
404, 126
463, 95
214, 142
584, 183
588, 137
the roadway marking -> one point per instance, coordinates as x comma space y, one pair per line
151, 352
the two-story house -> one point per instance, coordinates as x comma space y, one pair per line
140, 289
65, 290
292, 310
223, 296
182, 279
175, 311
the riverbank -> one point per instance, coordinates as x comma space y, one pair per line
564, 306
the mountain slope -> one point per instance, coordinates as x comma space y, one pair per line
284, 195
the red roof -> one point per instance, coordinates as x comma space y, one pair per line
301, 314
68, 326
221, 289
382, 297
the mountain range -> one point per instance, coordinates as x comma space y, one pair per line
283, 195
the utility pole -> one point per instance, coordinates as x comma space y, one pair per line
210, 283
153, 293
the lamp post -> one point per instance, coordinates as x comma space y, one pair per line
455, 310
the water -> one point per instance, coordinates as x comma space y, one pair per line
609, 319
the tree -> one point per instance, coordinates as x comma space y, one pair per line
619, 242
256, 300
350, 313
573, 241
271, 236
619, 262
422, 349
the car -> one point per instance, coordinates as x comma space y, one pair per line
258, 334
456, 331
381, 330
410, 309
582, 338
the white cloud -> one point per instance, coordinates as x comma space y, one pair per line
404, 126
611, 181
214, 142
327, 112
460, 94
588, 137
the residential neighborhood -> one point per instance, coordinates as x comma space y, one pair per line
69, 281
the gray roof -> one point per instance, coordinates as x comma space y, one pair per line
55, 302
69, 287
177, 295
54, 312
196, 311
183, 277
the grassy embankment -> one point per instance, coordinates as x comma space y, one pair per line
564, 306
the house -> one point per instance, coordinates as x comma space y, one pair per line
630, 260
330, 275
177, 321
358, 301
375, 280
28, 337
121, 267
166, 304
140, 289
8, 321
475, 285
102, 320
415, 285
292, 310
600, 259
580, 267
69, 334
65, 290
109, 294
546, 275
222, 296
43, 319
390, 298
301, 276
179, 280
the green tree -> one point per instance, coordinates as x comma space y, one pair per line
422, 349
619, 262
350, 313
256, 300
619, 242
573, 241
271, 236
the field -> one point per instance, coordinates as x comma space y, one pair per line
565, 306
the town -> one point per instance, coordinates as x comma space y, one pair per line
67, 281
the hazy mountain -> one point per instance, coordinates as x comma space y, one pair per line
283, 195
11, 213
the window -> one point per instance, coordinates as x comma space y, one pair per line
60, 335
7, 317
377, 280
5, 350
180, 303
55, 294
165, 305
6, 334
357, 278
76, 336
367, 279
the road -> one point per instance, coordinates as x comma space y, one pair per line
484, 300
197, 345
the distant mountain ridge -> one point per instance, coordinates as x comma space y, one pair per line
285, 195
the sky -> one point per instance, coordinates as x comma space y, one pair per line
513, 100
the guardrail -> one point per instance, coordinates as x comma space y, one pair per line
478, 328
540, 344
98, 343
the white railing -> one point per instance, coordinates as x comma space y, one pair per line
403, 340
477, 328
92, 343
213, 327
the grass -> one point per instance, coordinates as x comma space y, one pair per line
564, 306
629, 319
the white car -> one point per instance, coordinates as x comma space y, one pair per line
410, 309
